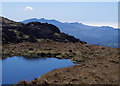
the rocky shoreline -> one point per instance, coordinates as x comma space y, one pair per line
39, 49
77, 52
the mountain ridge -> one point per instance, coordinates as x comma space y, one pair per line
98, 35
75, 22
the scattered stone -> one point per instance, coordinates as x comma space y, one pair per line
31, 49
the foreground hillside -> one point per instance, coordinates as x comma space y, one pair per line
95, 64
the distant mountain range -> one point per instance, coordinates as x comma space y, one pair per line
104, 35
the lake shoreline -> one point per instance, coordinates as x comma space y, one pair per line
77, 52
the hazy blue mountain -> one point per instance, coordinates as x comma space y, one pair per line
105, 35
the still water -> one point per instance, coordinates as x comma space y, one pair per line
15, 69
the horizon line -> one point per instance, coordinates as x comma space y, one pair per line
98, 24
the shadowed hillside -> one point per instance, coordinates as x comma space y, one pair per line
15, 32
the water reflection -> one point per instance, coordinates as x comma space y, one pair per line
18, 68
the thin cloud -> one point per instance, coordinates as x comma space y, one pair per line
28, 8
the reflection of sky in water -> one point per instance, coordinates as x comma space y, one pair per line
17, 68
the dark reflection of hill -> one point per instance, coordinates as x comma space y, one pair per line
37, 58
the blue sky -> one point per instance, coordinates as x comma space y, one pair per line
91, 13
